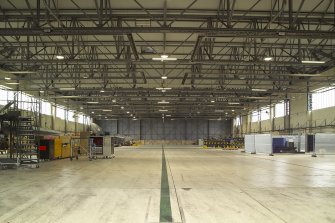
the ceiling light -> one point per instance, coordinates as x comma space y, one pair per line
67, 88
114, 100
8, 78
107, 110
12, 83
163, 58
268, 58
258, 89
41, 91
92, 102
60, 57
163, 102
212, 101
127, 112
81, 107
131, 114
163, 110
313, 61
67, 96
102, 91
164, 77
168, 115
20, 72
163, 88
232, 110
92, 112
233, 103
122, 107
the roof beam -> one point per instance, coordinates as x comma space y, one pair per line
222, 32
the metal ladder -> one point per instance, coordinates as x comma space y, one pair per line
27, 145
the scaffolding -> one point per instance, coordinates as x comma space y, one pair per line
23, 116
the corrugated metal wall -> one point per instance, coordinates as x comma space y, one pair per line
155, 129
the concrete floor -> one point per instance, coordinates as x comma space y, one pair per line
205, 186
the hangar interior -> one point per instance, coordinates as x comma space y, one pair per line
167, 111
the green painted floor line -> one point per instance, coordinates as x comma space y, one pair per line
165, 214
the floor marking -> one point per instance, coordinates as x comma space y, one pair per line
165, 214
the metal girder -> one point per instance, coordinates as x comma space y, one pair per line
149, 61
214, 32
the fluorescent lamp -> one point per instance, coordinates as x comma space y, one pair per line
233, 103
313, 61
60, 57
163, 110
163, 88
232, 110
212, 101
127, 112
164, 58
168, 115
102, 91
41, 91
67, 88
8, 78
268, 58
67, 96
92, 102
258, 89
92, 112
114, 100
163, 102
21, 72
13, 83
107, 110
164, 77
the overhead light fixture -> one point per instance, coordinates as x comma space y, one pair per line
66, 96
163, 88
122, 107
92, 112
164, 58
232, 110
67, 88
8, 78
163, 110
19, 72
81, 107
163, 102
168, 115
85, 76
107, 110
212, 101
268, 58
41, 91
92, 102
313, 61
13, 83
114, 100
102, 91
128, 112
60, 57
233, 103
164, 77
258, 89
131, 114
